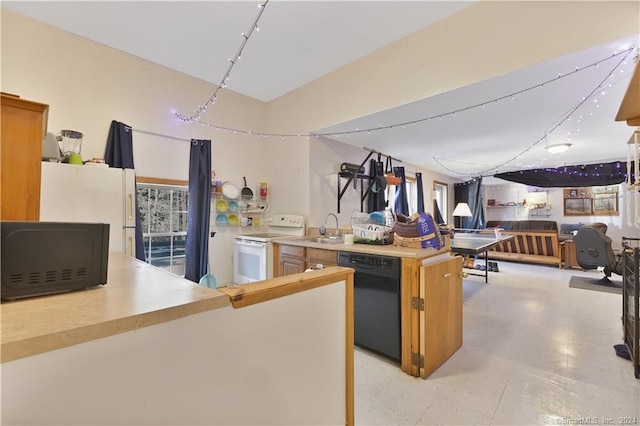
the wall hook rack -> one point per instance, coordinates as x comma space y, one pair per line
353, 173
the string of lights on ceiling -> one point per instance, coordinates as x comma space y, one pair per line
254, 27
587, 170
599, 89
232, 62
586, 114
621, 172
452, 113
483, 104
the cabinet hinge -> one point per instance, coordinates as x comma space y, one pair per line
417, 303
417, 359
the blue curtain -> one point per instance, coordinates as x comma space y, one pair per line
401, 205
119, 154
470, 192
420, 190
197, 255
437, 214
375, 200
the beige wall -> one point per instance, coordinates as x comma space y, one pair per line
487, 39
87, 85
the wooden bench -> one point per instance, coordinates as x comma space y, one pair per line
529, 246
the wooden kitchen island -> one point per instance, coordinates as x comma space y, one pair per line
153, 348
430, 287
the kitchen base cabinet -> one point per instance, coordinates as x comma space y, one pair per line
326, 258
296, 259
431, 312
292, 260
430, 297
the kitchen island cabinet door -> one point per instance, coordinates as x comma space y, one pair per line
441, 317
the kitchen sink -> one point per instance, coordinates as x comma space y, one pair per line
325, 240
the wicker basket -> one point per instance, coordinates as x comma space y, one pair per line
407, 230
412, 242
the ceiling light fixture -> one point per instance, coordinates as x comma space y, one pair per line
558, 148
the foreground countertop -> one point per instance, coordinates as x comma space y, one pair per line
382, 250
136, 295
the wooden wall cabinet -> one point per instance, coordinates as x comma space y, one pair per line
24, 124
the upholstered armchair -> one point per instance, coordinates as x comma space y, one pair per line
593, 249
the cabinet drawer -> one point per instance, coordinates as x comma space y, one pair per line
326, 257
292, 251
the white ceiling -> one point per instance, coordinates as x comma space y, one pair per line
300, 41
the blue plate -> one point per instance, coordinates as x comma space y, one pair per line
221, 220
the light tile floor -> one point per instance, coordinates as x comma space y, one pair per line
535, 351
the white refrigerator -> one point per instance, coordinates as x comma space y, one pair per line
75, 193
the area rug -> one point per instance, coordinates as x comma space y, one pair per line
587, 283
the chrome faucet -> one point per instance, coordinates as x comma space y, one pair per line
337, 226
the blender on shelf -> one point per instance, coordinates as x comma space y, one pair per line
70, 142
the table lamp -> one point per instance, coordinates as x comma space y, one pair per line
462, 210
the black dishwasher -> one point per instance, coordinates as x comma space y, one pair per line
376, 301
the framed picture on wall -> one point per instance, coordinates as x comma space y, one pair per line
577, 206
605, 203
610, 188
